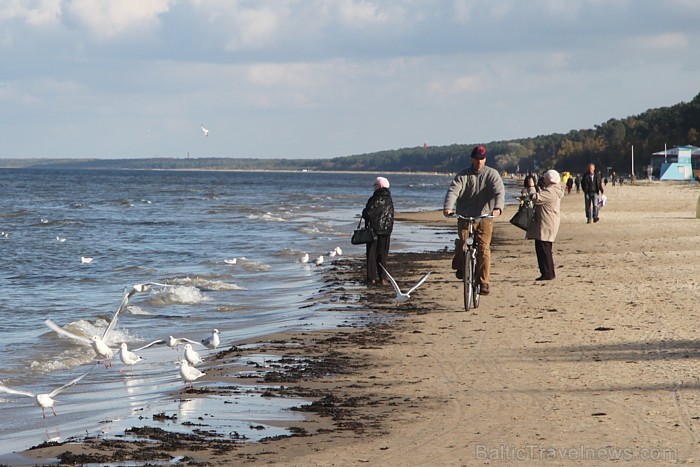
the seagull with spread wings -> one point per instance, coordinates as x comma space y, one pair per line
45, 400
400, 296
98, 343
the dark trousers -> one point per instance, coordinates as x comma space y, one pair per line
377, 253
544, 258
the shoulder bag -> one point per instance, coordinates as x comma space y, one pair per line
363, 234
524, 216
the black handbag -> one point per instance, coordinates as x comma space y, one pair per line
524, 216
363, 234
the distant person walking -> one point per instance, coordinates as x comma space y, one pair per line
475, 191
577, 182
543, 230
379, 214
592, 187
569, 185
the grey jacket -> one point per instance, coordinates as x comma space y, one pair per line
473, 193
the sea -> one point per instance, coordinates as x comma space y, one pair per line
227, 244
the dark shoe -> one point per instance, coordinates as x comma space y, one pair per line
460, 274
588, 221
596, 219
543, 278
484, 289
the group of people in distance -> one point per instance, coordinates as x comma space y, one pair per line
475, 191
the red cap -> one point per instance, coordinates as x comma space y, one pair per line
479, 152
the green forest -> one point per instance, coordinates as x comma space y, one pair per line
607, 145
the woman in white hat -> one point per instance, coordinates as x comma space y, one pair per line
543, 229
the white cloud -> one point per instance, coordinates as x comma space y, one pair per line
449, 88
673, 40
106, 19
43, 13
253, 28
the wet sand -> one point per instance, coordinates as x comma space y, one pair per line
599, 365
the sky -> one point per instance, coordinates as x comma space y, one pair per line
327, 78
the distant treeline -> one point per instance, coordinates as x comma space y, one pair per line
607, 145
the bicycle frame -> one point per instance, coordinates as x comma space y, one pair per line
471, 270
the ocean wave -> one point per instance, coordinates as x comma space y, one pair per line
179, 295
268, 217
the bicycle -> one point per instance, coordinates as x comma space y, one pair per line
470, 275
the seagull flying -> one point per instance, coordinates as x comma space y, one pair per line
45, 401
175, 342
138, 288
98, 343
204, 130
400, 296
188, 373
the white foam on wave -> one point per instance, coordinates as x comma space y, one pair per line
204, 283
268, 216
137, 310
179, 295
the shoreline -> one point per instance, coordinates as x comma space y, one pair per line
600, 358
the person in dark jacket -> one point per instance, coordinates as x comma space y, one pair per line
592, 187
379, 214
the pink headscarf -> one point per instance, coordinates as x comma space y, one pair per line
381, 182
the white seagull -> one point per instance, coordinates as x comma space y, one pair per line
85, 260
129, 357
188, 373
231, 261
98, 344
175, 342
61, 239
204, 130
139, 288
5, 234
213, 341
305, 258
45, 401
338, 251
319, 260
191, 355
400, 296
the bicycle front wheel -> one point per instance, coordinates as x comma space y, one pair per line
469, 268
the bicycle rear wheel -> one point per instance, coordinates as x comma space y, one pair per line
475, 286
468, 280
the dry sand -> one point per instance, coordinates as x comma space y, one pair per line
599, 365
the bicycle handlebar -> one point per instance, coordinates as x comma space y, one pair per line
483, 216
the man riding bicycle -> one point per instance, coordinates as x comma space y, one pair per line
475, 191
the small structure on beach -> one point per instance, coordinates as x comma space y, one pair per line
678, 163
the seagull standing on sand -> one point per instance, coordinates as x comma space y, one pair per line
213, 341
338, 251
45, 401
189, 373
129, 357
319, 260
191, 355
98, 344
400, 296
204, 130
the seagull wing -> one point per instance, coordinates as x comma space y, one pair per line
55, 327
71, 383
16, 391
115, 317
159, 341
184, 339
391, 279
422, 279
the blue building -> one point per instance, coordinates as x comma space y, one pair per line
678, 163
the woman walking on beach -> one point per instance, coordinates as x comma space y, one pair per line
545, 226
379, 214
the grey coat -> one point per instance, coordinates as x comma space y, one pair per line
473, 193
547, 214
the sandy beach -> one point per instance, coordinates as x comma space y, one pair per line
600, 365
